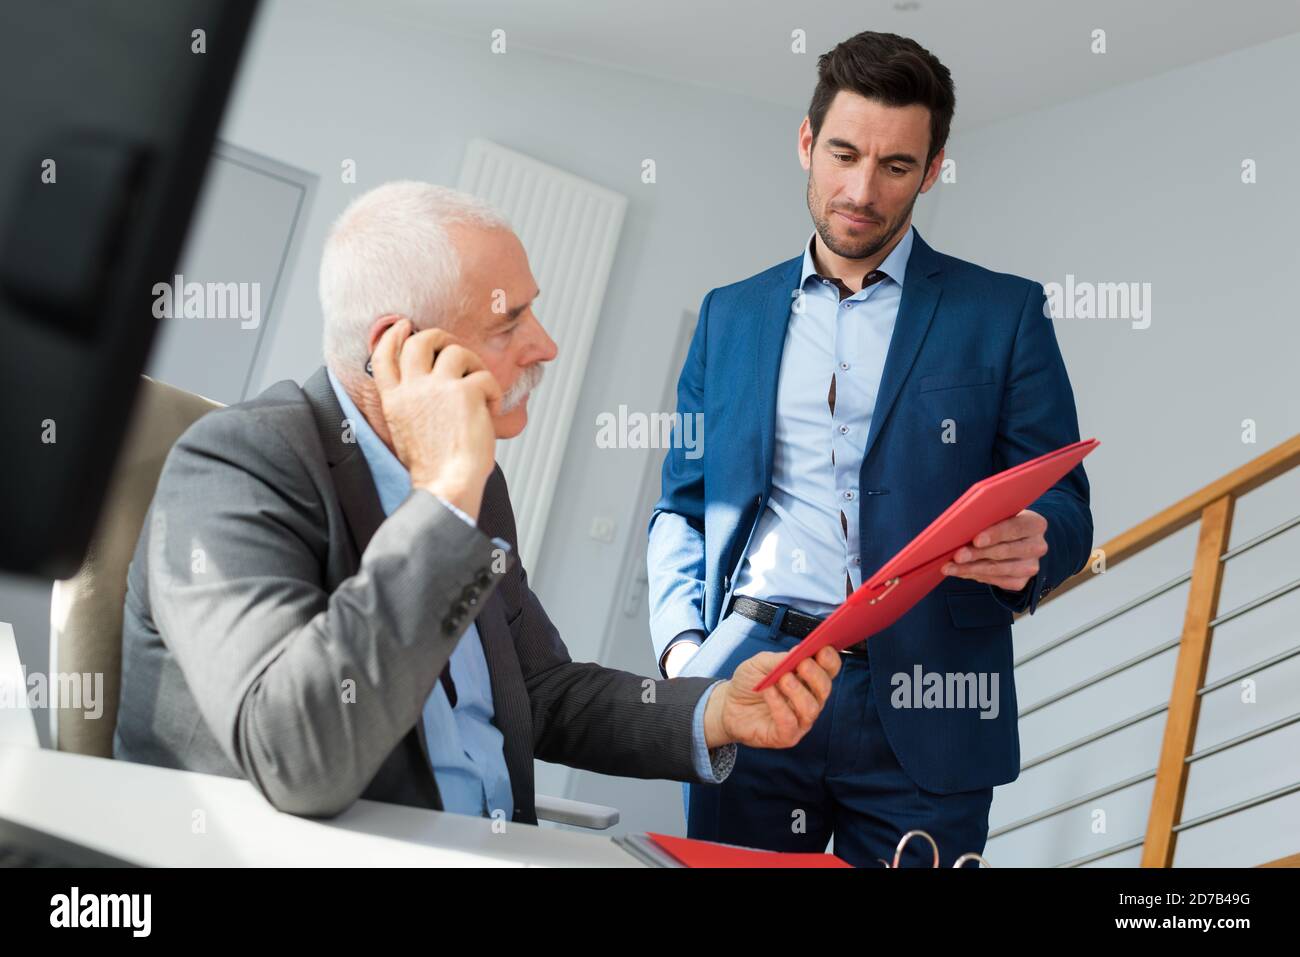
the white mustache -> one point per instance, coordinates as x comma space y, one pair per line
528, 380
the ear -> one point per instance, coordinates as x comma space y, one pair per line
805, 144
932, 174
378, 328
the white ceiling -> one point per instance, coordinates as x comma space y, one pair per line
1006, 56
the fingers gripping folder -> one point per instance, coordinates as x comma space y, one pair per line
917, 569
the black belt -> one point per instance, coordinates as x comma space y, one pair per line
795, 623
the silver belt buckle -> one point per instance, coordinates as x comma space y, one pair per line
850, 651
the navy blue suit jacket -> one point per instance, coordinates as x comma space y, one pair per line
969, 345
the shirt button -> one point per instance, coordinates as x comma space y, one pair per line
856, 560
848, 305
844, 367
848, 495
844, 430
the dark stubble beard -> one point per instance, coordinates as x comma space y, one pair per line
856, 249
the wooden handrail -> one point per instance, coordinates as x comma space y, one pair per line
1212, 506
1264, 468
1292, 860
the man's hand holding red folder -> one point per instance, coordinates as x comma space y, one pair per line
1004, 555
776, 717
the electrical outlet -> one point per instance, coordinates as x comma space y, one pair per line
602, 529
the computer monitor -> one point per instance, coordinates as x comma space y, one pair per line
109, 111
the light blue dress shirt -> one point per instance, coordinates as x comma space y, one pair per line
803, 553
465, 746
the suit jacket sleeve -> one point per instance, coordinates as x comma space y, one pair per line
1038, 415
588, 716
675, 552
307, 690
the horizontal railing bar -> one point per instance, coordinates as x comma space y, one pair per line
1244, 737
1260, 539
1155, 592
1239, 806
1095, 736
1103, 619
1196, 756
1101, 676
1071, 804
1203, 819
1126, 846
1255, 603
1194, 822
1236, 676
1157, 650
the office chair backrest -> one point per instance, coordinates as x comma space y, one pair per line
86, 610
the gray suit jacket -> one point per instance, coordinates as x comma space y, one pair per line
279, 628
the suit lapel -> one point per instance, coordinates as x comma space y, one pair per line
915, 313
359, 500
773, 321
357, 494
360, 503
512, 711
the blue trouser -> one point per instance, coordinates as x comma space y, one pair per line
842, 779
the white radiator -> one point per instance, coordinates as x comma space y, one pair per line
570, 229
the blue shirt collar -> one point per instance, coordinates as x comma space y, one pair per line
894, 266
392, 481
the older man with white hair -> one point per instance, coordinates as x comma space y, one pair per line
325, 597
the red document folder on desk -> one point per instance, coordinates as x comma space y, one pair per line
707, 854
911, 574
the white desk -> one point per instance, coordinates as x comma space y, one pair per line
146, 815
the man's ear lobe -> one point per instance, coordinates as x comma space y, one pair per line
378, 328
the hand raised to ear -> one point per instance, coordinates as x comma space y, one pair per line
438, 401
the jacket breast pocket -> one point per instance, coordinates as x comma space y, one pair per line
977, 610
958, 379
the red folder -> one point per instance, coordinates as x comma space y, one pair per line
706, 854
911, 574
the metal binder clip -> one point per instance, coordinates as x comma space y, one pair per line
898, 852
881, 597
